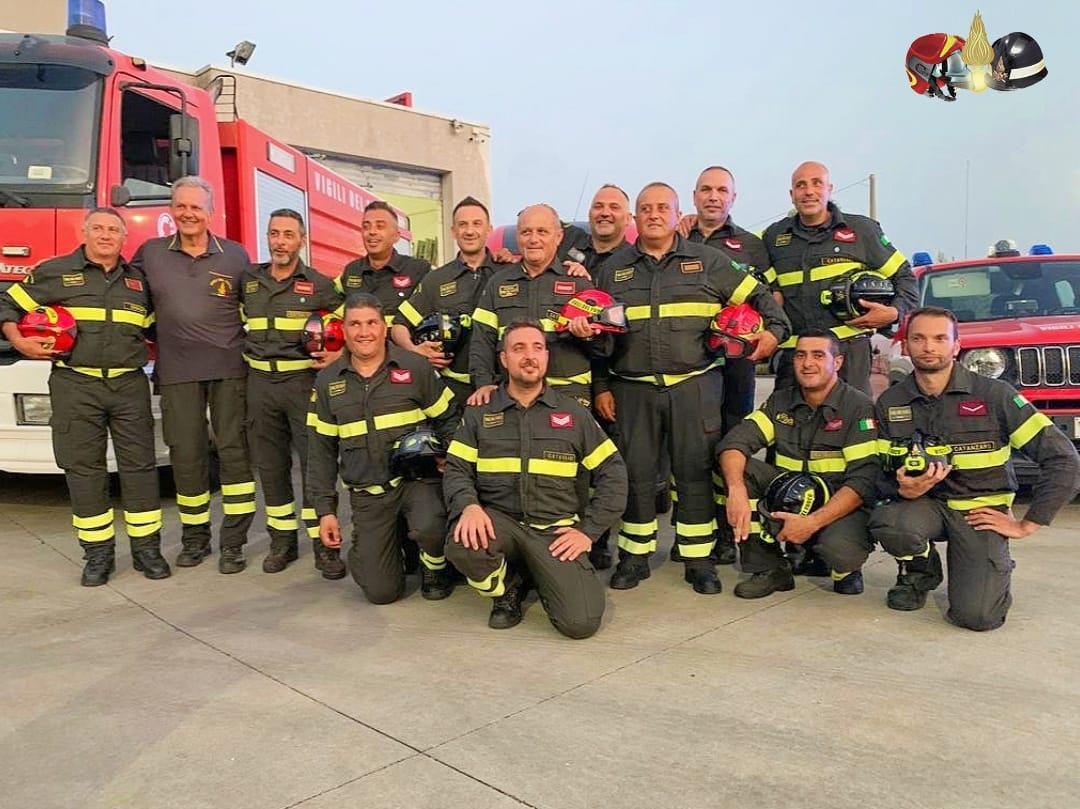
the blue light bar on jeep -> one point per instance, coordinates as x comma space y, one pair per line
1041, 250
921, 259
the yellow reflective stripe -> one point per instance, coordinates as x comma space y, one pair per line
788, 463
290, 323
669, 380
202, 518
308, 514
856, 452
98, 520
496, 465
789, 279
350, 429
432, 562
695, 529
557, 524
401, 419
408, 311
696, 550
847, 332
388, 319
558, 469
982, 460
99, 373
604, 451
100, 535
143, 516
131, 318
639, 529
764, 423
136, 530
580, 379
233, 489
830, 271
638, 312
326, 427
826, 465
284, 510
440, 407
633, 546
489, 319
1029, 429
494, 585
883, 446
313, 532
258, 323
769, 275
22, 297
89, 313
247, 507
456, 376
378, 489
966, 504
193, 499
282, 524
743, 290
890, 267
277, 365
462, 450
690, 309
547, 324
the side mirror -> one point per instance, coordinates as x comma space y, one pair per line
119, 196
183, 146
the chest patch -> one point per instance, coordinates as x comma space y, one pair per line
401, 282
565, 457
354, 281
688, 267
400, 376
733, 244
783, 239
561, 421
133, 283
135, 307
508, 290
303, 288
845, 235
624, 274
565, 287
220, 285
785, 418
833, 425
75, 279
251, 287
899, 413
972, 407
336, 388
447, 289
494, 419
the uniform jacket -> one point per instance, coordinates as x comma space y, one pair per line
391, 284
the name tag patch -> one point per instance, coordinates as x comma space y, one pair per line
251, 287
690, 266
75, 279
561, 421
624, 274
336, 388
565, 457
133, 283
783, 239
494, 419
899, 413
354, 281
134, 307
400, 376
447, 289
508, 290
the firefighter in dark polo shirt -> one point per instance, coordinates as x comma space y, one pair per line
98, 389
278, 297
453, 289
365, 402
194, 279
383, 272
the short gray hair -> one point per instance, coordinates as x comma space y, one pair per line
192, 181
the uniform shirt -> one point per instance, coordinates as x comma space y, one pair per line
452, 289
112, 309
391, 284
983, 420
837, 441
197, 302
670, 304
523, 462
275, 313
512, 294
574, 238
361, 419
806, 260
741, 246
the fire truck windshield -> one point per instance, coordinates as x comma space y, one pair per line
48, 131
1006, 290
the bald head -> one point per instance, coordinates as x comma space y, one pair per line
539, 233
811, 191
540, 209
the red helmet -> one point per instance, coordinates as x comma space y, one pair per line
323, 332
602, 310
730, 329
935, 67
53, 322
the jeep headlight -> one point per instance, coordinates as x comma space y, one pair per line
32, 408
990, 362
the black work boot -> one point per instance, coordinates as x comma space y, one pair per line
600, 552
435, 585
506, 609
915, 578
804, 562
849, 585
702, 575
100, 562
723, 552
767, 582
147, 559
282, 551
631, 571
328, 560
193, 551
231, 560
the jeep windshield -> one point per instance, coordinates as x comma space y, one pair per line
1007, 290
48, 132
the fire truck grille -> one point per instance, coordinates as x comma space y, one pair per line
1053, 366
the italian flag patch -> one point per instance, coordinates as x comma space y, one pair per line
1020, 401
867, 424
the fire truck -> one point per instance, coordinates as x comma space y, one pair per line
1019, 320
82, 125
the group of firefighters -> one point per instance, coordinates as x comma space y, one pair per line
497, 417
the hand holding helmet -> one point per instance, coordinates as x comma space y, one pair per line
732, 331
47, 332
596, 309
789, 497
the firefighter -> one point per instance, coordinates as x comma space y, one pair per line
278, 297
363, 404
966, 500
383, 271
97, 390
667, 387
453, 289
822, 426
513, 511
194, 278
817, 245
535, 289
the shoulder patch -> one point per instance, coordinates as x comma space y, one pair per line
690, 266
508, 290
783, 239
884, 240
447, 289
624, 274
494, 419
899, 413
251, 287
561, 421
867, 424
1020, 401
337, 387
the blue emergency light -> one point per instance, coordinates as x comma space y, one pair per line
86, 19
921, 259
1041, 250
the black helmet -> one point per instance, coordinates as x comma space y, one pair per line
843, 295
439, 327
792, 492
1018, 62
414, 455
917, 453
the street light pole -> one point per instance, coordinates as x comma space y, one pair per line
873, 197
